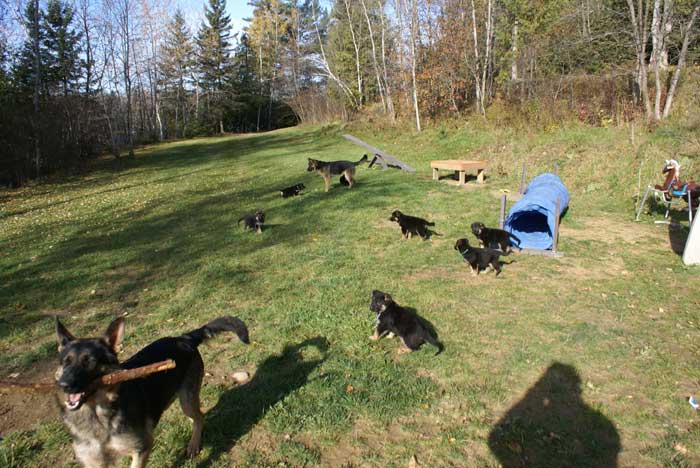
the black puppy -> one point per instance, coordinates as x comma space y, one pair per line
108, 422
489, 236
292, 191
392, 318
253, 221
411, 225
478, 259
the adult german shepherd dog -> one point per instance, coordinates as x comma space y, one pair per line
116, 421
327, 169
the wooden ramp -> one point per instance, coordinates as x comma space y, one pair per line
383, 159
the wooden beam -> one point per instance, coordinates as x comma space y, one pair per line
389, 159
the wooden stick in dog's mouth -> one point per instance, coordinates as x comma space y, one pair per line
112, 378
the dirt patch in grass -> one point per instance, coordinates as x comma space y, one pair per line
20, 411
611, 231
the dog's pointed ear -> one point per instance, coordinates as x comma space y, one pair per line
115, 333
63, 335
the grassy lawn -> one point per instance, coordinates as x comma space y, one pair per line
579, 361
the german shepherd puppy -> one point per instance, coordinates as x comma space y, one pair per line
411, 225
477, 258
489, 236
392, 318
253, 221
292, 191
111, 422
327, 169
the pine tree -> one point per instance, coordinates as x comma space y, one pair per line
62, 43
25, 68
214, 53
176, 64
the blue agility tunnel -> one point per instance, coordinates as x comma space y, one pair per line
533, 217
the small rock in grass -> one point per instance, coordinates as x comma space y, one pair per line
240, 377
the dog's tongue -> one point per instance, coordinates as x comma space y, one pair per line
74, 398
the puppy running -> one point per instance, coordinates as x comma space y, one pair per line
392, 318
253, 221
489, 236
292, 191
411, 225
111, 422
327, 169
478, 259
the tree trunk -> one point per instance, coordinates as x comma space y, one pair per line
37, 88
514, 51
374, 56
357, 54
414, 38
681, 59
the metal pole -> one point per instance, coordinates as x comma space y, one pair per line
522, 181
641, 204
555, 240
502, 213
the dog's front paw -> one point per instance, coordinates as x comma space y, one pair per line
193, 448
374, 337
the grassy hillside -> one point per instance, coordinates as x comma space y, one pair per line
576, 360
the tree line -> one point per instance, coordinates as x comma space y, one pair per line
96, 76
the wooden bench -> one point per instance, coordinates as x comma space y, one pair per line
460, 167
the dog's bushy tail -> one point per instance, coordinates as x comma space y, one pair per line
429, 224
435, 342
216, 326
362, 159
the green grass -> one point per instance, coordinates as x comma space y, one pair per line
606, 335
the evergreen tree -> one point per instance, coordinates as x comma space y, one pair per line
25, 68
214, 54
177, 53
62, 43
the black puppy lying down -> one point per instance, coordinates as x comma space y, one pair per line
392, 318
489, 236
477, 258
411, 225
292, 191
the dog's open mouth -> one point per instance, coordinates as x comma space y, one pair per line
74, 400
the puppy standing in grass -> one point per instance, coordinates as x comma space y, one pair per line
490, 236
117, 421
253, 221
397, 320
477, 258
411, 225
327, 169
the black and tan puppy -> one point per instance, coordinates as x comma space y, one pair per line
328, 169
253, 221
489, 236
478, 258
411, 225
111, 422
292, 191
392, 318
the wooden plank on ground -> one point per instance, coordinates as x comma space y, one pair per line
389, 159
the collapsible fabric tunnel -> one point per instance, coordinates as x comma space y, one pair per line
533, 217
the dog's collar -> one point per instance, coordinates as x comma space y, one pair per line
462, 253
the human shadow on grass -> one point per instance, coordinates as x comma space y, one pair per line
553, 426
240, 408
